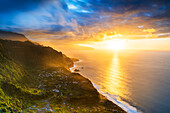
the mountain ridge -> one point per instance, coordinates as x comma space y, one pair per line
8, 35
35, 78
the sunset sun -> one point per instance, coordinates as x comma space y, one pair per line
116, 44
85, 56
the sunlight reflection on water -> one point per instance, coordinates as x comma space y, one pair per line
139, 78
114, 78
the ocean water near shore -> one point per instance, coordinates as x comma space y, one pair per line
137, 81
124, 105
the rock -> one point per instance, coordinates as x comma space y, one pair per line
76, 70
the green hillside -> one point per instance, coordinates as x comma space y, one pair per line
34, 78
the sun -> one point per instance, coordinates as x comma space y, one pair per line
115, 44
112, 44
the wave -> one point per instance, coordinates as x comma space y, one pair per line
124, 105
114, 98
74, 66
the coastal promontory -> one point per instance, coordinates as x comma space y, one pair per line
36, 78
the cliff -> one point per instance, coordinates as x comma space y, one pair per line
7, 35
34, 78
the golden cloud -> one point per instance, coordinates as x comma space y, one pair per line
149, 30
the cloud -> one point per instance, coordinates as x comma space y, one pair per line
7, 6
86, 19
149, 30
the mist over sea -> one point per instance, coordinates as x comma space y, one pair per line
138, 81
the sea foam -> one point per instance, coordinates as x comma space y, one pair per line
114, 98
124, 105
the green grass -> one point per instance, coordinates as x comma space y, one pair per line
21, 87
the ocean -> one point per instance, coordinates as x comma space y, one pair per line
137, 81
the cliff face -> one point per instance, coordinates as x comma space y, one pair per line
34, 78
20, 64
31, 55
6, 35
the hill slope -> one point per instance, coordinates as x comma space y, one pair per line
34, 78
7, 35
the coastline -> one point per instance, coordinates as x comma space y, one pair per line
74, 65
54, 88
124, 105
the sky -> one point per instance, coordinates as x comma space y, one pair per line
86, 19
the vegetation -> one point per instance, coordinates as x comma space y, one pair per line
34, 78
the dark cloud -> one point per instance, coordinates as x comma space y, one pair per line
19, 5
83, 17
